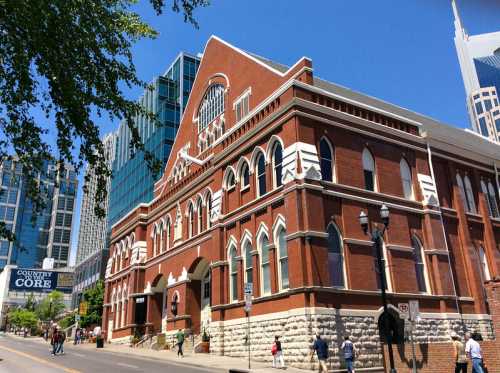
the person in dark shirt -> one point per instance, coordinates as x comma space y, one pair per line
278, 354
321, 349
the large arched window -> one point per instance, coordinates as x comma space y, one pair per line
265, 264
405, 171
282, 259
199, 211
209, 209
234, 273
277, 164
168, 228
244, 176
470, 195
490, 196
335, 257
190, 220
211, 106
368, 170
485, 269
261, 175
247, 248
229, 179
420, 269
461, 190
326, 160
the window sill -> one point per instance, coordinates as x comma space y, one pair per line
245, 188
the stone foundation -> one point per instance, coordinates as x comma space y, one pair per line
297, 327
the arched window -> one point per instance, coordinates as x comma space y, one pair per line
420, 269
461, 189
161, 236
283, 259
234, 273
470, 195
492, 198
326, 160
190, 220
209, 209
335, 257
265, 265
485, 269
199, 210
277, 164
369, 170
405, 171
211, 106
168, 227
245, 175
230, 179
261, 175
247, 248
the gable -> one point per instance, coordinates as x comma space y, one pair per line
244, 80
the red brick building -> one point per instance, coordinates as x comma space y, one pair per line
269, 172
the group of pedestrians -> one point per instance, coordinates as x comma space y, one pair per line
57, 341
471, 350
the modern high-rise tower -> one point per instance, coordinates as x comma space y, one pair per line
92, 251
132, 181
479, 57
50, 235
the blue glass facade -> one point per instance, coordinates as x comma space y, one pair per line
132, 181
50, 234
488, 71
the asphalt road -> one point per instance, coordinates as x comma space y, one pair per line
26, 356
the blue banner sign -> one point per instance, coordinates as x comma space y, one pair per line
33, 280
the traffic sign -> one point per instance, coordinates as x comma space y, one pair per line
404, 311
414, 310
248, 302
77, 318
248, 288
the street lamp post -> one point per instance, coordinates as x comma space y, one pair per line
377, 237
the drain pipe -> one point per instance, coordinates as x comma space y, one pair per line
429, 154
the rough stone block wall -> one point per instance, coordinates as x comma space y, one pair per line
297, 329
438, 357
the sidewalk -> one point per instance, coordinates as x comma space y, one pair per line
198, 360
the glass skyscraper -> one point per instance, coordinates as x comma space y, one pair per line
132, 181
479, 57
50, 235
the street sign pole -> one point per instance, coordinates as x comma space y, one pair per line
414, 316
248, 307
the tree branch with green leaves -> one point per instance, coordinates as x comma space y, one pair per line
66, 61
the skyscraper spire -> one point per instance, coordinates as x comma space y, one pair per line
458, 22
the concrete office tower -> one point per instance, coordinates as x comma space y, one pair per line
50, 235
132, 181
479, 57
92, 250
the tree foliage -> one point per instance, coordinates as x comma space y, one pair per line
23, 318
51, 306
30, 304
94, 298
67, 321
68, 60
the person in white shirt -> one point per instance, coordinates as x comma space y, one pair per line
473, 351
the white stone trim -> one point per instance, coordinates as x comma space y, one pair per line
356, 241
407, 249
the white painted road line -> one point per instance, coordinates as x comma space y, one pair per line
127, 365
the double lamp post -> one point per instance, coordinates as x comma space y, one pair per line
377, 239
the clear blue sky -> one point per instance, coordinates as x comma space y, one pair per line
399, 51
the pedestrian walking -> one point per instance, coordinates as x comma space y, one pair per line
473, 351
180, 341
62, 338
54, 341
277, 354
349, 351
321, 349
459, 354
